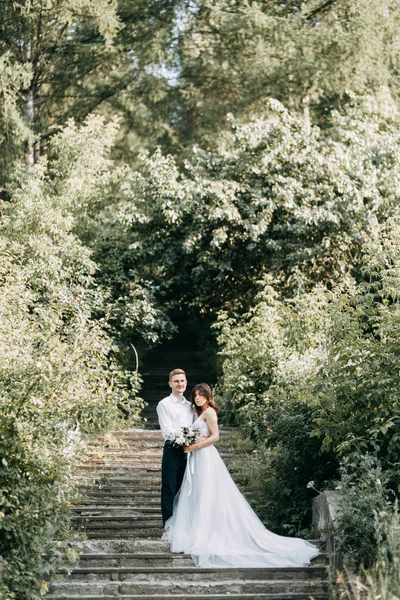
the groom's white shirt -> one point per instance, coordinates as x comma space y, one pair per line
173, 414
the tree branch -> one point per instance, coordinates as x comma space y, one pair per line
319, 9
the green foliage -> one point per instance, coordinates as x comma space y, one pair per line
363, 497
38, 460
86, 56
290, 459
358, 386
172, 70
273, 348
233, 55
277, 198
59, 371
14, 132
268, 357
321, 365
381, 580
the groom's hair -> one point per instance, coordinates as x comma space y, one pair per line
176, 372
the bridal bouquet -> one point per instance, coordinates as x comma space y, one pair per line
184, 437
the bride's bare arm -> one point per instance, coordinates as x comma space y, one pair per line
212, 422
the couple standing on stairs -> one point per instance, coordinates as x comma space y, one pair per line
204, 513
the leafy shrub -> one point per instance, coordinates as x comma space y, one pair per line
58, 371
276, 197
382, 579
363, 497
268, 357
357, 386
325, 363
293, 459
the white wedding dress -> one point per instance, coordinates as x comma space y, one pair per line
214, 523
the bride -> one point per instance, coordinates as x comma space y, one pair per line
211, 519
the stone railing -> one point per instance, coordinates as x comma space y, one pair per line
325, 510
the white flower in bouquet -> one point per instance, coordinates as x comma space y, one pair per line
183, 437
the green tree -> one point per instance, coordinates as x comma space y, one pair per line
357, 387
233, 55
268, 358
315, 380
14, 131
277, 198
59, 369
85, 56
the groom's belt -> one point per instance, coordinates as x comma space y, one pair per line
168, 444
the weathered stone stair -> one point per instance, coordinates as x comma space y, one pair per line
123, 555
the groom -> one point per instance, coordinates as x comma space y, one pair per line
173, 412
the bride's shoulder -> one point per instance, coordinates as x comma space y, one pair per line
210, 412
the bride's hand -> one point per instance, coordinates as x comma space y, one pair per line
199, 438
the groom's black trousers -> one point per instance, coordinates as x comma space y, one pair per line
173, 470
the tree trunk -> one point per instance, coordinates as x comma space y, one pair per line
306, 112
30, 109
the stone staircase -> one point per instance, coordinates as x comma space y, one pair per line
122, 555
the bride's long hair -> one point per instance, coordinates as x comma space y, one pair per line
202, 389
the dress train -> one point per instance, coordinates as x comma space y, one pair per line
214, 523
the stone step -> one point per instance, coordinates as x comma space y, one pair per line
154, 452
131, 480
132, 534
139, 492
116, 522
111, 458
119, 502
151, 546
150, 450
97, 521
163, 596
102, 467
142, 453
136, 546
123, 555
112, 471
128, 474
198, 583
123, 520
110, 497
149, 559
83, 511
105, 466
165, 574
117, 444
121, 492
127, 488
161, 559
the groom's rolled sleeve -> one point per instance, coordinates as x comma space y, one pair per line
164, 419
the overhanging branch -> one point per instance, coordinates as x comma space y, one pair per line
320, 9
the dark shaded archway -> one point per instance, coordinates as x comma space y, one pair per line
192, 348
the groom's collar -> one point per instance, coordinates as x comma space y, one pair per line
175, 399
